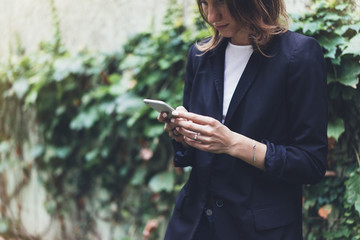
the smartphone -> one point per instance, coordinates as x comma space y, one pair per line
159, 106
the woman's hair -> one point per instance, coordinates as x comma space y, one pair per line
264, 18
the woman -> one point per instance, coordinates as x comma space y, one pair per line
252, 126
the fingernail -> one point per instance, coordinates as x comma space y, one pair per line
164, 115
175, 113
172, 120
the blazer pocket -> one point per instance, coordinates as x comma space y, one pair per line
274, 217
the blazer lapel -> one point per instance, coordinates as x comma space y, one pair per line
217, 64
251, 70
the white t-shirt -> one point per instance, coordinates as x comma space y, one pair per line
236, 58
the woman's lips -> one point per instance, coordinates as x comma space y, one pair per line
221, 27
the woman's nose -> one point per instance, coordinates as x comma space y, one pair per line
213, 14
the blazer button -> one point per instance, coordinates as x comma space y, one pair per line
219, 203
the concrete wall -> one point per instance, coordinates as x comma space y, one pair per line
98, 24
101, 25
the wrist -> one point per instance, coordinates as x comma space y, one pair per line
236, 144
248, 150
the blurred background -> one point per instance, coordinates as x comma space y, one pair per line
81, 157
99, 25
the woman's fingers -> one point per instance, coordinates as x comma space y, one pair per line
170, 128
200, 119
163, 117
171, 124
173, 133
176, 134
181, 109
187, 133
189, 127
202, 132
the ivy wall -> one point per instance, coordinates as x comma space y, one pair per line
104, 160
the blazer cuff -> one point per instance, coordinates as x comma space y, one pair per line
274, 159
183, 157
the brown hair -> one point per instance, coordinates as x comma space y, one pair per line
265, 18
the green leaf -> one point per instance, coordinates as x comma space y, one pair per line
330, 43
128, 104
353, 47
332, 17
85, 119
295, 26
107, 107
162, 182
65, 66
117, 90
152, 78
90, 156
139, 176
312, 27
341, 7
154, 131
63, 152
335, 128
353, 189
336, 61
350, 74
343, 29
164, 64
309, 203
123, 85
115, 78
133, 61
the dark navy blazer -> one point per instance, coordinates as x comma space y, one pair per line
281, 100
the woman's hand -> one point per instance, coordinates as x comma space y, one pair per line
170, 125
203, 133
208, 134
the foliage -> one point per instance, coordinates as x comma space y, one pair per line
102, 154
335, 24
99, 146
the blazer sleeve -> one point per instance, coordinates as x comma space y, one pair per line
303, 159
184, 157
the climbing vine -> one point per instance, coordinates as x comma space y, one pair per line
332, 208
80, 121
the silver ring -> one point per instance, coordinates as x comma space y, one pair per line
196, 135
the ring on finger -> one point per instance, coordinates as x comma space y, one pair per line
196, 135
